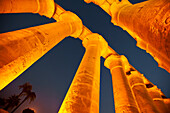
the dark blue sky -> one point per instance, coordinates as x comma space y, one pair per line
52, 74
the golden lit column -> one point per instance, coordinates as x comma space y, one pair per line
20, 49
43, 7
83, 94
143, 99
158, 100
123, 97
104, 4
148, 23
167, 102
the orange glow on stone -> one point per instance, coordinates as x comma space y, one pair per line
83, 94
45, 7
146, 23
21, 48
155, 93
123, 96
143, 99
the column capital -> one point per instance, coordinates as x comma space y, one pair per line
46, 7
136, 78
124, 100
115, 9
154, 92
74, 21
116, 60
98, 2
95, 39
167, 102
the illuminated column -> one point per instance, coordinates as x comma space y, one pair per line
167, 102
158, 100
83, 94
43, 7
20, 49
148, 23
104, 4
123, 97
143, 99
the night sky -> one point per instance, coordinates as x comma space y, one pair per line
52, 74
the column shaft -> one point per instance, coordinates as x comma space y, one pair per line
43, 7
20, 49
143, 99
123, 97
167, 102
148, 23
83, 94
158, 100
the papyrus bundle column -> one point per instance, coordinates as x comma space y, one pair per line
158, 100
123, 96
20, 49
147, 22
143, 99
43, 7
83, 94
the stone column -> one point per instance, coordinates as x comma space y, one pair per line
143, 99
83, 94
104, 4
167, 102
148, 23
43, 7
158, 100
123, 97
20, 49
